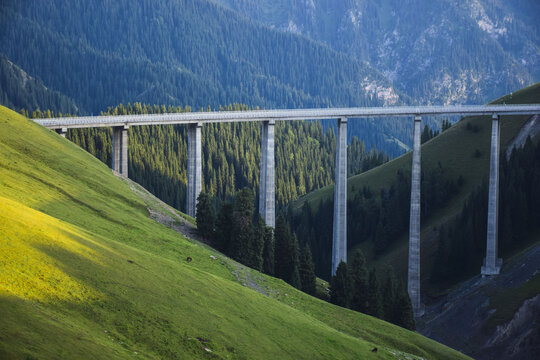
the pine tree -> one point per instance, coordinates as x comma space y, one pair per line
257, 244
340, 286
403, 313
283, 248
359, 280
374, 305
307, 272
390, 296
240, 245
268, 251
205, 216
224, 227
294, 276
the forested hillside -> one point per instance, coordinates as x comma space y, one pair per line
446, 51
183, 52
454, 166
305, 155
20, 91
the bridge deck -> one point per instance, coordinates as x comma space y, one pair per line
296, 114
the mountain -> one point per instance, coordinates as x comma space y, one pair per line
18, 90
86, 273
182, 52
179, 52
455, 164
441, 52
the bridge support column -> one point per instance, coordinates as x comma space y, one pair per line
339, 238
413, 279
492, 264
120, 150
267, 193
194, 173
62, 132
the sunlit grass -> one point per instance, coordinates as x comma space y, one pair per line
26, 271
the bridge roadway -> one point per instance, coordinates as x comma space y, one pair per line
295, 114
195, 121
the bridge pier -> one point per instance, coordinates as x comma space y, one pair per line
62, 132
194, 170
120, 150
492, 264
267, 193
413, 279
339, 238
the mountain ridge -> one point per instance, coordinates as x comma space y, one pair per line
486, 51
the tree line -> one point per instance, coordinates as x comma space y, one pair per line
462, 242
380, 218
241, 233
356, 288
304, 153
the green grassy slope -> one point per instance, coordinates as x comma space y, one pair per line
84, 273
455, 150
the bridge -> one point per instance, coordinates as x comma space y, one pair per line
268, 118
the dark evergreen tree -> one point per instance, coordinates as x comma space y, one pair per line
390, 296
340, 288
403, 313
257, 244
283, 249
268, 251
446, 124
205, 216
307, 271
294, 276
240, 245
359, 279
224, 225
374, 304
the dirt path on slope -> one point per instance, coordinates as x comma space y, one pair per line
163, 213
170, 217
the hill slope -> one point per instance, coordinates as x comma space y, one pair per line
85, 273
440, 52
184, 52
462, 150
18, 91
176, 52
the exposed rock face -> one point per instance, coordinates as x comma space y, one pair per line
520, 337
460, 320
531, 128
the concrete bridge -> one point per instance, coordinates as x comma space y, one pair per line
268, 118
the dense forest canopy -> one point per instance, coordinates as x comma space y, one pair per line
305, 155
186, 52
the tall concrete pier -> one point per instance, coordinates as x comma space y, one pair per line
492, 264
120, 150
267, 193
413, 279
339, 238
194, 170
